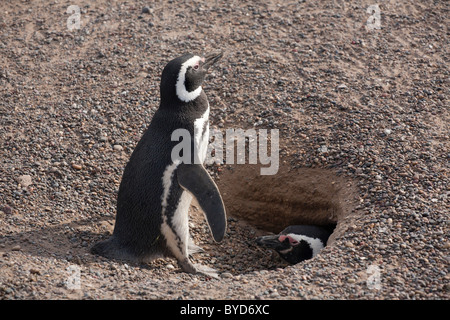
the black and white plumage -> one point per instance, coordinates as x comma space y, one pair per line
156, 191
297, 243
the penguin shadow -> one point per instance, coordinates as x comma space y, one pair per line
70, 241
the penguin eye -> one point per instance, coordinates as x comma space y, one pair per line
196, 66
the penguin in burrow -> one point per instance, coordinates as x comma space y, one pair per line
297, 243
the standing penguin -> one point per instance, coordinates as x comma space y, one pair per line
156, 190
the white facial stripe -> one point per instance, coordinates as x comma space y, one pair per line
315, 244
182, 93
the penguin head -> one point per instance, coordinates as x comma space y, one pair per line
288, 247
182, 78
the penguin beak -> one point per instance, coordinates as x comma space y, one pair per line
211, 59
271, 242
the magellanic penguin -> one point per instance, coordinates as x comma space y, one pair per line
156, 191
297, 243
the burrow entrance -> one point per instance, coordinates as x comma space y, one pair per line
293, 196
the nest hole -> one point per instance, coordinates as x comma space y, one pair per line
293, 196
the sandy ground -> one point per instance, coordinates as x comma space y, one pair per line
362, 114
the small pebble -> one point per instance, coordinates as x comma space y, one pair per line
118, 147
349, 244
146, 10
77, 166
35, 271
24, 180
7, 209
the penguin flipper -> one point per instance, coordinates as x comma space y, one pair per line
195, 179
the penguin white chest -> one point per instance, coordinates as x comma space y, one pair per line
176, 231
201, 137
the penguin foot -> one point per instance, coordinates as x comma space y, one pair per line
213, 273
193, 248
187, 266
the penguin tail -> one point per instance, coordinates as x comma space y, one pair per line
102, 248
111, 248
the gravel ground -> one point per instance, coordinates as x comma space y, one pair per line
369, 105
